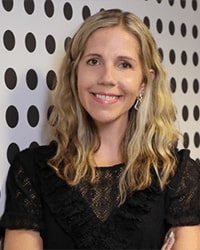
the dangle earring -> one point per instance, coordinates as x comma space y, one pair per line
138, 101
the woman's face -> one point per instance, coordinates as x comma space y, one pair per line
109, 75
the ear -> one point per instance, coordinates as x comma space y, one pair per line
142, 89
152, 74
143, 85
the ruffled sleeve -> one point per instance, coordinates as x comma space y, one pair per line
23, 208
183, 206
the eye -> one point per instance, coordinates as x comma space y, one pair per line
93, 61
125, 65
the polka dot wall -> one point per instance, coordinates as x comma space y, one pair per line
33, 35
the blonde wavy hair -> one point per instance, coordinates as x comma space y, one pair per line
151, 136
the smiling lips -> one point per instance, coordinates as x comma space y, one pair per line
106, 98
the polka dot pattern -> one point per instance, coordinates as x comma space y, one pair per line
50, 44
7, 5
68, 11
33, 116
86, 12
29, 6
51, 80
10, 78
49, 8
12, 116
31, 79
30, 42
12, 150
9, 40
35, 35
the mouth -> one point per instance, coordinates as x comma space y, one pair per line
106, 97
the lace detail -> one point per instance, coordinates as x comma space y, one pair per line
103, 195
76, 217
27, 213
93, 221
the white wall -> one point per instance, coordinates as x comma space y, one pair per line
16, 132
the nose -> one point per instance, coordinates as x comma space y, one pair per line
107, 75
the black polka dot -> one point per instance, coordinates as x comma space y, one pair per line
195, 31
183, 29
159, 25
68, 11
185, 113
159, 1
51, 80
50, 44
186, 140
196, 113
12, 150
10, 78
172, 56
66, 42
33, 116
171, 28
160, 51
196, 139
86, 12
9, 40
34, 144
194, 5
7, 4
29, 6
196, 86
184, 85
171, 2
195, 58
183, 3
146, 21
12, 116
49, 8
30, 42
173, 84
31, 79
184, 57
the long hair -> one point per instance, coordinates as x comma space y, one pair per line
151, 134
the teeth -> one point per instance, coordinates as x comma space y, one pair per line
106, 97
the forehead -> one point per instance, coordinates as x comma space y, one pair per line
116, 36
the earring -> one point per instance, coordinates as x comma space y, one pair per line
138, 101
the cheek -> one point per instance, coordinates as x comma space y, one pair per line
82, 78
132, 87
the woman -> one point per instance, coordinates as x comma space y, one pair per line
112, 178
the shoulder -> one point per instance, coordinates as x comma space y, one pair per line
36, 154
30, 160
183, 191
183, 157
43, 152
186, 165
187, 170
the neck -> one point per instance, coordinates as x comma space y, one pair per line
111, 136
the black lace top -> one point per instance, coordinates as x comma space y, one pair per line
87, 216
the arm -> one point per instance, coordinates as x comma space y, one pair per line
187, 237
22, 240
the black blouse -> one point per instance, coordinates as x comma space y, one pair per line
87, 216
